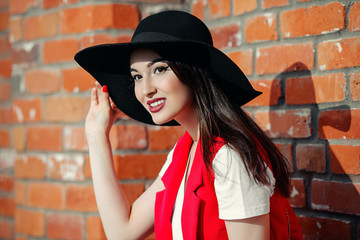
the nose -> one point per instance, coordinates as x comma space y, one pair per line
148, 88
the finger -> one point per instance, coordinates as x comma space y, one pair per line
94, 97
112, 104
104, 96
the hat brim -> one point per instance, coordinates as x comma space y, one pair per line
109, 65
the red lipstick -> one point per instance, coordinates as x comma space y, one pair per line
156, 104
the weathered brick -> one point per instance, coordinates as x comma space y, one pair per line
4, 44
271, 92
75, 139
313, 21
46, 195
21, 6
25, 54
164, 138
244, 60
297, 196
274, 3
18, 138
5, 68
198, 8
8, 206
241, 7
6, 229
325, 196
355, 86
219, 8
339, 124
354, 17
227, 36
4, 138
97, 39
30, 222
285, 124
64, 226
94, 228
128, 137
47, 138
60, 50
37, 164
344, 159
5, 91
261, 28
311, 158
6, 115
66, 167
336, 54
42, 81
77, 80
46, 4
80, 198
21, 193
286, 151
276, 59
4, 20
324, 228
27, 110
41, 26
64, 109
6, 183
315, 89
15, 29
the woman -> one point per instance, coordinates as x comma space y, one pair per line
224, 179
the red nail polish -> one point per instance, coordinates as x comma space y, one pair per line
105, 88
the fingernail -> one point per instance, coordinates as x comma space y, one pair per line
105, 88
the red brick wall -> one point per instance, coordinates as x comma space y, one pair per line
303, 55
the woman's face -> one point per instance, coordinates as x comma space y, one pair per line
158, 89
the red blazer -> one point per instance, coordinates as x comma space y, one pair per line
200, 213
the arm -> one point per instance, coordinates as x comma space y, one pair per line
120, 221
255, 228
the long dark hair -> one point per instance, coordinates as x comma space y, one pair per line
220, 117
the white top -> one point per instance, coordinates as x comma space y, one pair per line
238, 195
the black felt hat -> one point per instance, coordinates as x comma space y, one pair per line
179, 34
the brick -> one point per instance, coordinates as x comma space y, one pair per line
66, 167
164, 138
94, 228
297, 196
285, 124
46, 4
315, 89
286, 151
47, 138
27, 110
355, 86
8, 206
241, 7
30, 222
6, 183
97, 39
313, 21
5, 68
37, 164
21, 6
64, 226
344, 159
46, 195
339, 124
219, 8
4, 44
354, 17
325, 196
198, 9
119, 16
75, 139
244, 60
21, 193
276, 59
324, 228
80, 198
60, 50
271, 93
4, 138
4, 20
87, 167
16, 29
133, 191
261, 28
41, 26
311, 158
128, 137
5, 91
64, 109
77, 80
4, 4
6, 115
25, 54
42, 81
274, 3
227, 36
138, 166
7, 158
336, 54
18, 138
6, 229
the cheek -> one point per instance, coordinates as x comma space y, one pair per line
137, 92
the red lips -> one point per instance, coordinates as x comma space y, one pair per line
156, 104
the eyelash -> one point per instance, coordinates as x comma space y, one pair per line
160, 68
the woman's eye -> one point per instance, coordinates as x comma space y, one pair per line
161, 69
136, 77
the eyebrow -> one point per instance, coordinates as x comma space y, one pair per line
150, 63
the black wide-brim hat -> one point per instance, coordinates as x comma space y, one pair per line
181, 36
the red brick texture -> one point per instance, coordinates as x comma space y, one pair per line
303, 55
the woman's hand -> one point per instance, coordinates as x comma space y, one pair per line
102, 113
